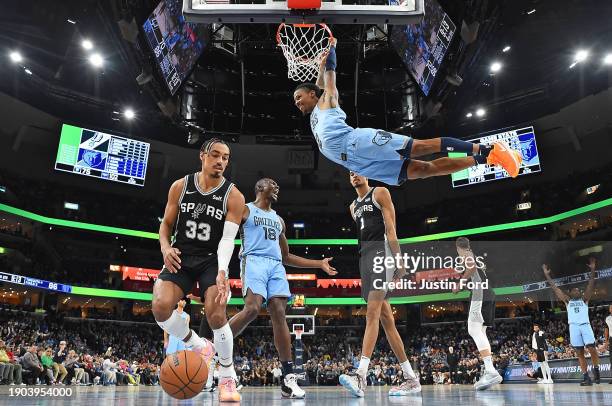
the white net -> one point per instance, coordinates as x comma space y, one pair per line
303, 45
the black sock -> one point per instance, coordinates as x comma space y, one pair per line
480, 159
484, 150
448, 144
586, 376
287, 367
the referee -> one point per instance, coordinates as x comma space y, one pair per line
538, 343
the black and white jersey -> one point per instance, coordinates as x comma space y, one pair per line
369, 218
199, 225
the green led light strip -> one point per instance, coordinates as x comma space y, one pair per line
429, 237
313, 301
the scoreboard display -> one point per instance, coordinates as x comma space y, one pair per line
521, 139
100, 155
177, 44
423, 46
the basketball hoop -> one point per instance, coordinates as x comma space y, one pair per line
304, 46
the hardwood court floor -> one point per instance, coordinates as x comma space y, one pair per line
511, 394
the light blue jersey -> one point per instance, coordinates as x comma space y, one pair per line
375, 154
174, 343
330, 131
577, 312
261, 266
260, 234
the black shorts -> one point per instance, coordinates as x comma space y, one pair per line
201, 269
374, 279
540, 356
488, 312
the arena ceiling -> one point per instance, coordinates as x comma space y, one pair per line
536, 79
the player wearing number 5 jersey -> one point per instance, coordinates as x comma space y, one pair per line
201, 220
264, 251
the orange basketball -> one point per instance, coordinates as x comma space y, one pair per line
183, 374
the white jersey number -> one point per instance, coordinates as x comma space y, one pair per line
201, 231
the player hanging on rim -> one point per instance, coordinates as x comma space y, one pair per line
381, 155
196, 236
263, 253
581, 332
374, 213
482, 312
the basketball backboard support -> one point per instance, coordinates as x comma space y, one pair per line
304, 322
277, 11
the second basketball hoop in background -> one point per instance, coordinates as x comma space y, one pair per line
304, 46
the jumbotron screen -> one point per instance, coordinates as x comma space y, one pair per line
521, 139
177, 45
100, 155
423, 46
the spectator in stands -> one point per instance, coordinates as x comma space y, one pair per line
10, 369
109, 367
31, 363
71, 363
59, 370
47, 362
276, 375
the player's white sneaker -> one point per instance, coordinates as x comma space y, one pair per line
540, 380
487, 380
355, 384
410, 385
290, 388
549, 381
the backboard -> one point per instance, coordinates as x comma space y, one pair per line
278, 11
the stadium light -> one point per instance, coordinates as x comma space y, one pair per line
581, 55
469, 115
71, 21
607, 59
16, 57
87, 44
129, 113
496, 67
96, 60
533, 10
431, 220
481, 112
506, 48
29, 72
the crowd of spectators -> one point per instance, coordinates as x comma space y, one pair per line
52, 349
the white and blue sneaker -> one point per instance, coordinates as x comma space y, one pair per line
487, 380
355, 384
409, 386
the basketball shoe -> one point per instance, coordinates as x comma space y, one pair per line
355, 384
410, 385
227, 390
487, 380
509, 159
290, 388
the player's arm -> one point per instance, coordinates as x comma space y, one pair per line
469, 262
588, 293
172, 261
558, 292
233, 218
607, 336
296, 261
329, 98
352, 211
165, 340
383, 198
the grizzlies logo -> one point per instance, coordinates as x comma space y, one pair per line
381, 138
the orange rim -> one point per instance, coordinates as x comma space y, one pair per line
280, 27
